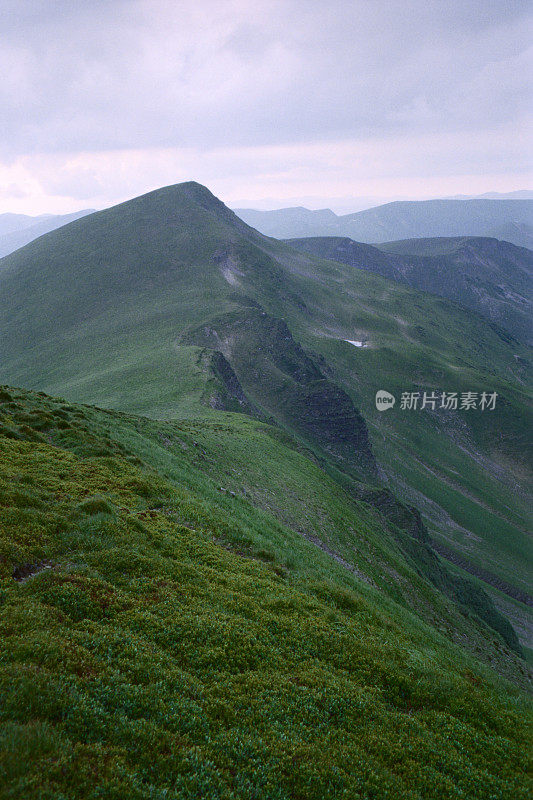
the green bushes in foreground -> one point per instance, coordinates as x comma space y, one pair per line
143, 657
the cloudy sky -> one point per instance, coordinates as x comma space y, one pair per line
268, 102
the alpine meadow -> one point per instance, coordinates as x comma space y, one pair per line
266, 482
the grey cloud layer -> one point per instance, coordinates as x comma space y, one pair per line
99, 75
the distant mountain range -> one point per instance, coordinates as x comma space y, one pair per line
520, 194
17, 230
510, 220
490, 277
502, 216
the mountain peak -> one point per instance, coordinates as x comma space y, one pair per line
193, 190
190, 202
188, 191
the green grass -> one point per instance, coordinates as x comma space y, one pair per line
187, 643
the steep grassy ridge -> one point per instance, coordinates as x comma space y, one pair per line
468, 471
166, 638
299, 395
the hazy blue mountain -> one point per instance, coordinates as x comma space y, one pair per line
17, 230
281, 223
520, 194
17, 222
511, 220
491, 277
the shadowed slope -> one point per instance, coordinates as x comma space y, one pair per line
490, 277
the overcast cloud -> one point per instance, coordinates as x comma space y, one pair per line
268, 102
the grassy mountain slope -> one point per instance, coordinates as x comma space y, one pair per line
299, 395
110, 309
468, 472
509, 254
490, 277
169, 632
510, 220
354, 254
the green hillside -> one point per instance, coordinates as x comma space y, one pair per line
445, 246
171, 307
490, 277
193, 609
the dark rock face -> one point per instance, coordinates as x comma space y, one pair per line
415, 542
23, 572
408, 518
327, 415
229, 394
282, 380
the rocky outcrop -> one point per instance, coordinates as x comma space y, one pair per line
412, 536
287, 384
408, 518
224, 392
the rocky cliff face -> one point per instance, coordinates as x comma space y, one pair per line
286, 383
407, 518
224, 392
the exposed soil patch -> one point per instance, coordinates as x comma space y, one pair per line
24, 572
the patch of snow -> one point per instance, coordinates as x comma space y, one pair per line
355, 343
